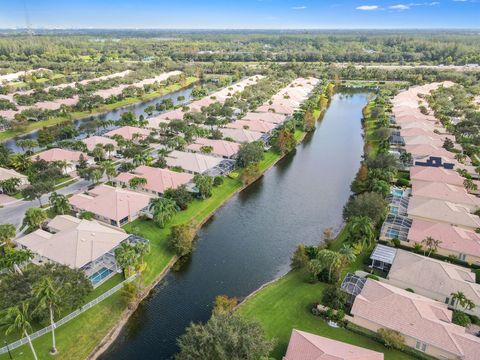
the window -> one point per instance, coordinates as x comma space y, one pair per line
462, 256
421, 346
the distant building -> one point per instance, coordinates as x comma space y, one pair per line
71, 157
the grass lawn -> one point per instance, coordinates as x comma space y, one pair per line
104, 108
285, 305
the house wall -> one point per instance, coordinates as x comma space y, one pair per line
409, 341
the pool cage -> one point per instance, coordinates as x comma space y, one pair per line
396, 139
398, 201
395, 227
352, 285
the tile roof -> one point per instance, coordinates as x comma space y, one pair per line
95, 140
306, 346
253, 125
57, 154
77, 242
428, 173
127, 132
416, 316
6, 174
111, 202
220, 147
158, 179
452, 238
193, 162
443, 191
265, 116
241, 135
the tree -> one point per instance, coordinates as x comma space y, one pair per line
37, 190
250, 153
12, 258
7, 233
224, 305
137, 182
9, 186
224, 337
204, 185
109, 149
459, 298
361, 231
250, 173
162, 210
448, 144
127, 258
369, 204
17, 318
300, 258
406, 158
98, 152
180, 195
34, 217
431, 244
20, 162
470, 185
27, 144
108, 167
284, 141
49, 298
181, 239
334, 297
59, 203
332, 262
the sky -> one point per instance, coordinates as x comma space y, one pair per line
240, 14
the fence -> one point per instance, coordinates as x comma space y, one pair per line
67, 318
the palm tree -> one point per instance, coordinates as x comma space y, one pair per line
362, 231
109, 148
348, 253
20, 162
162, 210
431, 244
7, 233
136, 182
458, 298
49, 298
470, 185
127, 258
34, 217
17, 318
9, 186
62, 165
59, 203
109, 168
330, 260
12, 258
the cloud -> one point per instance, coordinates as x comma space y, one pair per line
367, 7
299, 7
399, 7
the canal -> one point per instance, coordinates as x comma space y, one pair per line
114, 115
250, 240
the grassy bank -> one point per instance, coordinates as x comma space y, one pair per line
285, 305
102, 109
77, 338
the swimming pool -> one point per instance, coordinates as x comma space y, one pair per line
397, 192
100, 275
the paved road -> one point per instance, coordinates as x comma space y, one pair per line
13, 214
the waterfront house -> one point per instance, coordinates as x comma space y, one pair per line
265, 116
112, 205
425, 324
443, 191
464, 244
193, 163
158, 180
438, 175
71, 157
434, 279
240, 135
253, 125
442, 211
220, 148
307, 346
79, 244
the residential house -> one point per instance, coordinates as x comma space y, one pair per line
220, 148
93, 141
425, 324
158, 180
129, 132
461, 243
253, 125
6, 174
307, 346
193, 163
240, 135
112, 205
79, 244
70, 157
435, 279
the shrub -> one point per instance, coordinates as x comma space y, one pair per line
477, 276
181, 239
396, 242
403, 182
217, 181
461, 318
334, 297
373, 277
391, 339
409, 290
300, 258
